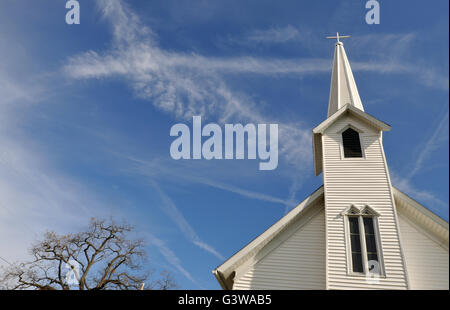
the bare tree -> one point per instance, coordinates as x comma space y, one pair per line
102, 257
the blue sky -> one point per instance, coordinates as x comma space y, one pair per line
86, 110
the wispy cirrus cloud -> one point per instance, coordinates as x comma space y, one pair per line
273, 35
438, 138
395, 49
34, 195
432, 201
175, 214
170, 256
185, 84
155, 169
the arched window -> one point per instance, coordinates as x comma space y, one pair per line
362, 237
351, 143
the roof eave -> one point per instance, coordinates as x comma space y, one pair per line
421, 208
220, 279
355, 111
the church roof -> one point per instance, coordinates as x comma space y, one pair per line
358, 113
225, 272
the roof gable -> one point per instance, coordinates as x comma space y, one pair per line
356, 112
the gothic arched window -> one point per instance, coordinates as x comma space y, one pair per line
351, 143
364, 247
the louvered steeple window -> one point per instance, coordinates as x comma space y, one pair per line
351, 143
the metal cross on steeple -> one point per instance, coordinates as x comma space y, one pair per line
337, 37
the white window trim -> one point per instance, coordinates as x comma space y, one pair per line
346, 214
341, 143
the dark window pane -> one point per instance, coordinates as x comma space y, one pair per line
351, 143
356, 243
368, 225
357, 262
371, 244
354, 227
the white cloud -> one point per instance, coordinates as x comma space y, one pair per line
188, 84
170, 256
397, 50
430, 199
155, 169
34, 195
436, 140
185, 84
174, 213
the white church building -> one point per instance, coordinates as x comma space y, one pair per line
357, 231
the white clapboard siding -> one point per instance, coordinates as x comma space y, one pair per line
296, 263
359, 181
426, 260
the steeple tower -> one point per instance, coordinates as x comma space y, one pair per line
343, 88
363, 240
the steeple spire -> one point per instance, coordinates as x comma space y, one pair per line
343, 88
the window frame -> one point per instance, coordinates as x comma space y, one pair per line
341, 143
361, 213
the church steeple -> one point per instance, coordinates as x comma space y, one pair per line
343, 88
348, 151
